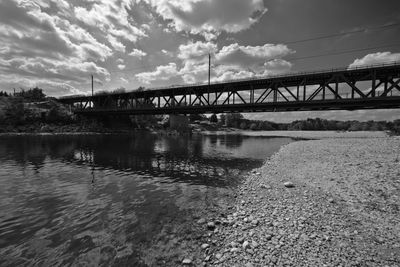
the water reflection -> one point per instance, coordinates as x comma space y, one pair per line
113, 199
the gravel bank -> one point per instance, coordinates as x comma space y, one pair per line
341, 207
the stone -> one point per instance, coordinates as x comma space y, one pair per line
331, 200
187, 262
204, 246
246, 244
288, 184
201, 221
218, 256
249, 264
254, 244
233, 250
211, 226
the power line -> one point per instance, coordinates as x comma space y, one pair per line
343, 52
342, 33
298, 41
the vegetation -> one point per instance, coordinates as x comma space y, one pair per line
236, 120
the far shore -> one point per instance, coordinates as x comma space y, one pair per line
292, 134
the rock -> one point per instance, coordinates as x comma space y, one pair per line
234, 250
211, 226
204, 246
201, 221
246, 244
288, 184
207, 258
218, 256
187, 262
331, 200
254, 244
249, 264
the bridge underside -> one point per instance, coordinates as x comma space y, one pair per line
368, 88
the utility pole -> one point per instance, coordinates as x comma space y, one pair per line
209, 68
92, 85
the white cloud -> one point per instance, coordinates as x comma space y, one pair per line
124, 80
210, 17
47, 49
229, 63
376, 58
236, 54
137, 53
112, 17
121, 66
196, 50
117, 45
162, 73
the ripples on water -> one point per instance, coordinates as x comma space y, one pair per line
115, 200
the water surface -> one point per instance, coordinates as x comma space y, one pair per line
122, 200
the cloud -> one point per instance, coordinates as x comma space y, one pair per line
196, 50
112, 17
124, 80
209, 17
39, 43
376, 58
163, 73
137, 53
121, 66
228, 63
236, 54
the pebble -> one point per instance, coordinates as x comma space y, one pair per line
288, 184
211, 226
246, 244
218, 256
201, 221
187, 262
204, 246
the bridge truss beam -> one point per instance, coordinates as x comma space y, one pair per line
368, 88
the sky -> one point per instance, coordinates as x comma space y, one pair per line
57, 44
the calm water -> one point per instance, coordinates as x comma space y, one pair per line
115, 200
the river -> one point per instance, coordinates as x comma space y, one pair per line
116, 200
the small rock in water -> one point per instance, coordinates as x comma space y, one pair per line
331, 200
246, 244
187, 261
288, 184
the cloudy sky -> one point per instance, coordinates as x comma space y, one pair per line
58, 44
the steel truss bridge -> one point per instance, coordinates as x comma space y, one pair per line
376, 87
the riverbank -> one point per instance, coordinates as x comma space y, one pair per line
340, 208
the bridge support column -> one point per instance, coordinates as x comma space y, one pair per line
179, 122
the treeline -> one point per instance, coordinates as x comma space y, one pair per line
31, 106
32, 94
236, 120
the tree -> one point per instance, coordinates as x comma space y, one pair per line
214, 118
254, 126
233, 119
222, 119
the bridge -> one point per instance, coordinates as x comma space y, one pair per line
374, 87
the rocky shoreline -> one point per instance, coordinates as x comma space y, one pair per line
331, 202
